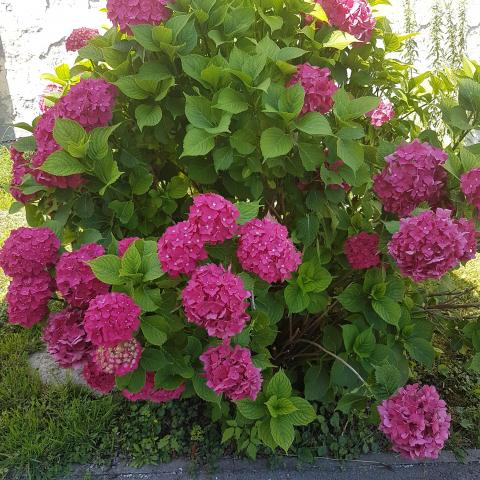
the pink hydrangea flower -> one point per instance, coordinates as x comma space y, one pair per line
361, 250
216, 300
429, 245
90, 103
20, 168
50, 90
214, 218
470, 185
265, 249
124, 244
66, 338
75, 279
46, 145
352, 16
79, 38
111, 318
232, 372
28, 298
28, 251
382, 114
180, 248
467, 228
416, 421
119, 359
96, 379
414, 174
134, 12
151, 394
319, 87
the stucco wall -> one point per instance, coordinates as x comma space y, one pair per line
33, 32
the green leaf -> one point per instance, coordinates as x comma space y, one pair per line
143, 35
280, 406
339, 40
248, 211
250, 409
390, 379
349, 333
365, 343
312, 156
290, 53
227, 434
279, 386
223, 158
469, 94
275, 143
140, 180
150, 262
308, 228
304, 414
153, 359
351, 152
291, 100
178, 187
396, 289
205, 393
98, 147
351, 401
352, 298
62, 164
296, 299
388, 309
25, 144
420, 350
131, 88
131, 261
231, 101
317, 383
148, 115
68, 132
313, 277
199, 112
124, 210
282, 432
314, 123
152, 332
197, 142
475, 363
106, 268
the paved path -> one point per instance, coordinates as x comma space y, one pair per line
371, 467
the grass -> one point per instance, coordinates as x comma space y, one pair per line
5, 175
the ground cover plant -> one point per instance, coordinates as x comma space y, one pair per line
243, 202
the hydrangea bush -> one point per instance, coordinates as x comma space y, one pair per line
240, 201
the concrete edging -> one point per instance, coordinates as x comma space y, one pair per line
374, 466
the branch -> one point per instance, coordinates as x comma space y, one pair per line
341, 360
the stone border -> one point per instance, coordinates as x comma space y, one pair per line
370, 467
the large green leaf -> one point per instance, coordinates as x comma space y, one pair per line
282, 432
62, 164
197, 142
351, 152
314, 123
106, 268
251, 409
279, 385
275, 143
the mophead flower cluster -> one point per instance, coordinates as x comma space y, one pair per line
416, 421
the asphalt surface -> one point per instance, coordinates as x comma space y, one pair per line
370, 467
